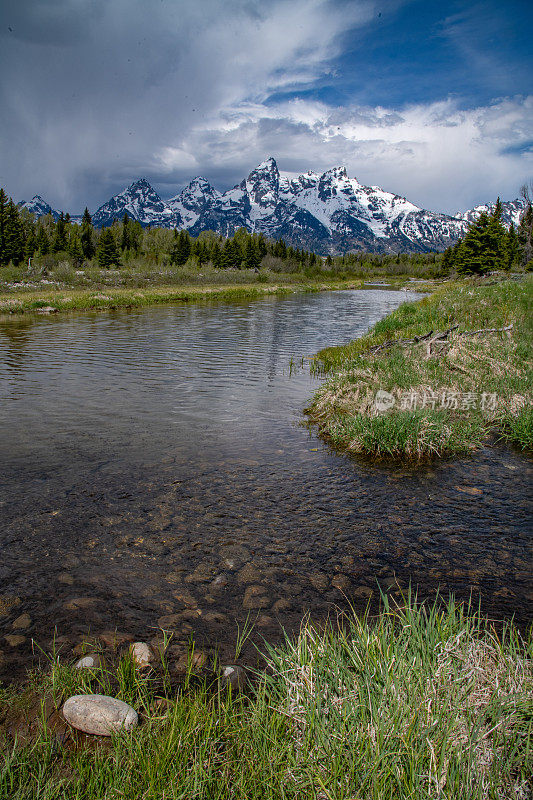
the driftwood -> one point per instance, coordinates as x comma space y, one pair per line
507, 329
432, 339
390, 342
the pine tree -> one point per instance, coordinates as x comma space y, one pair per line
251, 256
3, 220
261, 246
512, 248
525, 235
30, 245
14, 238
59, 243
215, 254
473, 248
496, 240
125, 240
231, 255
181, 249
75, 247
447, 261
41, 240
280, 249
106, 252
87, 235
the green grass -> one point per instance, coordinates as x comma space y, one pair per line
423, 702
488, 378
110, 298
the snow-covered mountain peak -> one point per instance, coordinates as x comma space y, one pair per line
197, 190
39, 207
333, 181
262, 186
193, 200
139, 201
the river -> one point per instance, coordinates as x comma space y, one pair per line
155, 467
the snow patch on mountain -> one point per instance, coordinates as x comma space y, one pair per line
511, 212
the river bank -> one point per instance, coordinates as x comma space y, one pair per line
434, 377
423, 701
100, 297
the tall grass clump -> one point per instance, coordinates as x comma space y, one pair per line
422, 702
444, 396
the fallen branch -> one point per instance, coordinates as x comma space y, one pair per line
439, 337
507, 329
432, 339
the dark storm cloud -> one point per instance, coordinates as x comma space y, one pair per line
95, 90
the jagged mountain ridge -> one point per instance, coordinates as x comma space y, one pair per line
328, 212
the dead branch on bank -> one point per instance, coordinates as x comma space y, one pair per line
432, 339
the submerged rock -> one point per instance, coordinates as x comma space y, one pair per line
99, 714
7, 603
220, 582
255, 597
249, 574
341, 582
281, 605
115, 639
363, 592
319, 581
78, 603
14, 639
22, 622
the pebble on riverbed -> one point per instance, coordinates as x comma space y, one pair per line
22, 622
99, 714
255, 597
14, 639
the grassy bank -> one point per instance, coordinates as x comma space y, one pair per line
107, 296
446, 388
422, 703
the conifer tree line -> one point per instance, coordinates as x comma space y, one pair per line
23, 237
488, 246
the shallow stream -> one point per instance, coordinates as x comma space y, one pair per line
154, 467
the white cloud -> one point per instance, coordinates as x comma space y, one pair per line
438, 155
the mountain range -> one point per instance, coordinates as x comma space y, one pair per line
328, 212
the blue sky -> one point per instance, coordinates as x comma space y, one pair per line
425, 51
430, 100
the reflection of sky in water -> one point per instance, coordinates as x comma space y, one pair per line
181, 378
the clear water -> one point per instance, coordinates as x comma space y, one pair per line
146, 453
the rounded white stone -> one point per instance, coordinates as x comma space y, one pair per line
87, 662
141, 654
99, 714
